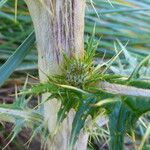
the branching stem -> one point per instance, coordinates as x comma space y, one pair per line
124, 90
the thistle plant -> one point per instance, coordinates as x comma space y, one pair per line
86, 88
82, 85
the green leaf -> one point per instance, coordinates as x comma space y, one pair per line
80, 118
135, 74
63, 111
125, 22
139, 105
121, 120
73, 88
41, 88
146, 147
19, 124
2, 2
140, 84
12, 63
146, 135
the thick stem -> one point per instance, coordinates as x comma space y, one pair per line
59, 28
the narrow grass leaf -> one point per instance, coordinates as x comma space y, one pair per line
2, 2
144, 138
12, 63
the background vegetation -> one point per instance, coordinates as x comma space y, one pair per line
119, 25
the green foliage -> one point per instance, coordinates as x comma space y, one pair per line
83, 111
12, 63
127, 21
21, 115
2, 2
121, 120
13, 32
84, 96
77, 88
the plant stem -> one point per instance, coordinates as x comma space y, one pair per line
59, 28
124, 90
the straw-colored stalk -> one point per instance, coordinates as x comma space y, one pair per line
59, 27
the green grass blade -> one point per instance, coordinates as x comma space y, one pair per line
144, 138
12, 63
2, 2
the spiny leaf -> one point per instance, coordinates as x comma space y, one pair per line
80, 118
19, 123
39, 89
63, 111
